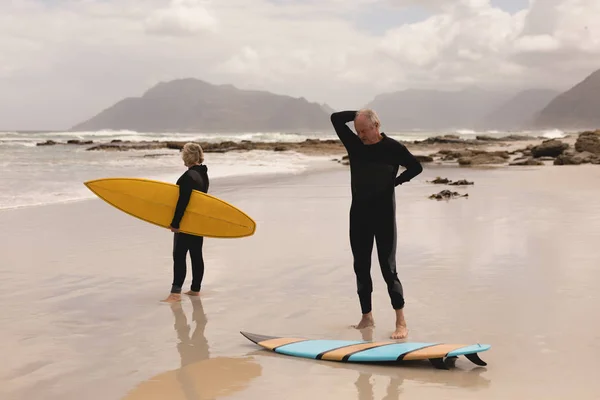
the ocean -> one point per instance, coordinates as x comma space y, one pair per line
37, 175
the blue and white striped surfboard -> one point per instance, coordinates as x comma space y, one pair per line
439, 354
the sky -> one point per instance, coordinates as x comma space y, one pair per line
63, 61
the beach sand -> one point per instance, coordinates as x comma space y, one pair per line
514, 265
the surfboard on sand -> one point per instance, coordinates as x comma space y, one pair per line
155, 202
441, 355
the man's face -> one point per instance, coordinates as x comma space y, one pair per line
366, 130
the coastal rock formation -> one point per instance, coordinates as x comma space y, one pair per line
424, 159
481, 157
446, 181
446, 195
589, 141
549, 148
577, 158
461, 182
526, 161
70, 141
309, 145
502, 139
47, 143
461, 152
441, 181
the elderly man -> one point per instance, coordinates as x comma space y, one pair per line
374, 159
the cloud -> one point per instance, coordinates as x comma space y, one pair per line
537, 43
181, 17
61, 62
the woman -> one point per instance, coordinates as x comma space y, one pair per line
196, 177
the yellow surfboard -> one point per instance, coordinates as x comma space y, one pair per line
155, 201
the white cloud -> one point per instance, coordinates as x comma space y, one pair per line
181, 17
61, 62
535, 43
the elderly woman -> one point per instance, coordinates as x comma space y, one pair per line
195, 177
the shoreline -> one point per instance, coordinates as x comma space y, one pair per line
510, 150
227, 183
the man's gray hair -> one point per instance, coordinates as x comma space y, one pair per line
371, 116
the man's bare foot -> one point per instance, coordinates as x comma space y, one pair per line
366, 321
401, 331
192, 293
173, 297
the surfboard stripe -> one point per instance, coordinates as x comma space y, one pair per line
390, 352
437, 351
469, 349
275, 344
312, 348
343, 353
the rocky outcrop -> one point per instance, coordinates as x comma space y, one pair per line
588, 141
314, 145
549, 148
577, 158
71, 141
446, 195
47, 143
440, 181
461, 182
526, 161
424, 159
446, 181
484, 158
502, 139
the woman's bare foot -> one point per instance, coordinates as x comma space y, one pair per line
173, 298
401, 331
365, 322
192, 293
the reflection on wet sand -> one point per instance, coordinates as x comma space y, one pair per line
199, 376
419, 371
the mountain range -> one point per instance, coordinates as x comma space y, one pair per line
195, 105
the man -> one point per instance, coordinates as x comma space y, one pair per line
374, 159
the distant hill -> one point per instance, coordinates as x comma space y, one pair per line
577, 108
519, 111
327, 108
194, 105
434, 109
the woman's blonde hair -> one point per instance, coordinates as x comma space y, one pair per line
192, 153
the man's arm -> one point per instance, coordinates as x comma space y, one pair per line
185, 192
408, 161
339, 120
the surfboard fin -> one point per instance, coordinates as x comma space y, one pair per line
451, 361
474, 358
438, 363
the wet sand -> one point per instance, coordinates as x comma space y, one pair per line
514, 265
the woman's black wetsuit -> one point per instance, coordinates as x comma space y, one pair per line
196, 178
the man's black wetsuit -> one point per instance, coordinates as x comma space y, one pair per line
196, 178
374, 170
